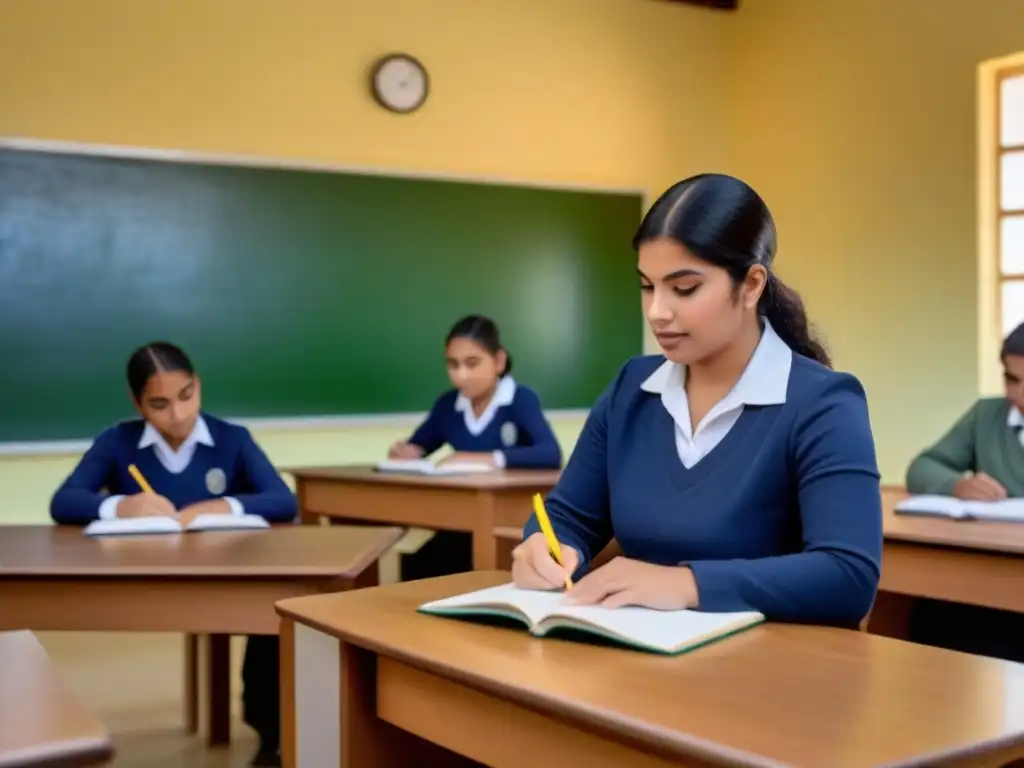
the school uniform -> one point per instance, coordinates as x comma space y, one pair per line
988, 438
218, 460
512, 428
773, 502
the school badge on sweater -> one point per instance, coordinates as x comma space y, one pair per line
216, 481
509, 434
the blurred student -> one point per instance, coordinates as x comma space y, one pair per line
980, 458
737, 470
487, 418
196, 465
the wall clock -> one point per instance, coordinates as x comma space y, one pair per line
399, 83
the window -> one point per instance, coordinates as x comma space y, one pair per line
1010, 180
1000, 211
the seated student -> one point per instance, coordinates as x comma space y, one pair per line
196, 464
488, 419
980, 458
736, 471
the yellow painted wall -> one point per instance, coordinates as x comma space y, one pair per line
856, 120
605, 92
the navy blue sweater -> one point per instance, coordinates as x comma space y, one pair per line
519, 430
249, 476
783, 516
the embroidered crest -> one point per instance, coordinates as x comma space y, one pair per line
509, 434
216, 481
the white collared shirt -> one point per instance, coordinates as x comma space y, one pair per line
1016, 421
504, 394
174, 461
764, 381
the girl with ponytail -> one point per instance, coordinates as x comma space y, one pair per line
736, 470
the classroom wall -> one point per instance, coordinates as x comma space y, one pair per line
600, 92
856, 120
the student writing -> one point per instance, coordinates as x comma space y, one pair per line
981, 457
196, 464
487, 418
737, 471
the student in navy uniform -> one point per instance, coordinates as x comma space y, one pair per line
196, 464
487, 419
737, 471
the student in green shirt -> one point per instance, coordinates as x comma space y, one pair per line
982, 458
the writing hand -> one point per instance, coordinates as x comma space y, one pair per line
534, 567
623, 581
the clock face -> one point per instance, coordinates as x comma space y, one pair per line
400, 83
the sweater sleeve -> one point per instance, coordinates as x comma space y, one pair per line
543, 451
77, 501
579, 503
835, 578
429, 435
937, 469
264, 492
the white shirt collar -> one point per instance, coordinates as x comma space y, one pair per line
1015, 418
764, 381
504, 394
176, 461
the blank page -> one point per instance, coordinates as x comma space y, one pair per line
132, 525
535, 604
1008, 510
227, 522
932, 505
664, 630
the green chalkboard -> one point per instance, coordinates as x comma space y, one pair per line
297, 292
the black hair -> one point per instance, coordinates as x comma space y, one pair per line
484, 332
721, 220
155, 357
1014, 343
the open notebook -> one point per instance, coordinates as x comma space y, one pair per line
121, 526
1008, 510
668, 632
426, 467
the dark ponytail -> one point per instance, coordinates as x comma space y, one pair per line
155, 357
785, 311
721, 220
483, 331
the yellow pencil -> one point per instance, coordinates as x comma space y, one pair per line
134, 472
549, 533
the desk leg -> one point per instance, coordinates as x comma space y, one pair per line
485, 546
191, 686
218, 689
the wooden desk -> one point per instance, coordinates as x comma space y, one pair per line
959, 561
217, 583
41, 723
473, 503
370, 682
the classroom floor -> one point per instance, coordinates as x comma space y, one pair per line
133, 683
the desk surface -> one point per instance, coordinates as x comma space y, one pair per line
938, 531
41, 723
298, 551
774, 695
518, 479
